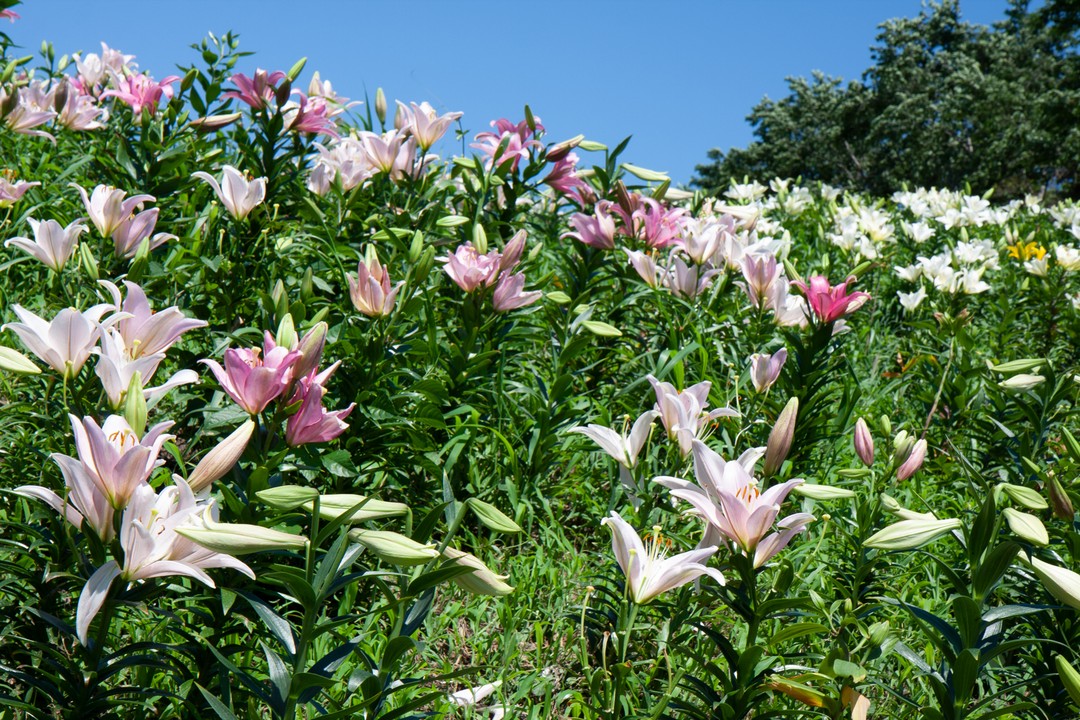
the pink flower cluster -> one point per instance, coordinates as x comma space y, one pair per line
474, 271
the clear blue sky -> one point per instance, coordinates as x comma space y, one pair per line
679, 76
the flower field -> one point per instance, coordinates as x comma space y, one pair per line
317, 408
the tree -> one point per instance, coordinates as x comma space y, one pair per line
946, 103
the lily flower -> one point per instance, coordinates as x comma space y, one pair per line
831, 303
107, 207
624, 448
253, 382
144, 331
471, 270
735, 509
10, 192
310, 115
64, 343
370, 289
649, 573
141, 91
312, 423
255, 91
423, 123
52, 245
153, 548
765, 369
509, 293
84, 505
115, 458
683, 413
761, 273
237, 194
129, 234
116, 369
596, 230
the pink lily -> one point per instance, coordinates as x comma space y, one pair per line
471, 270
310, 115
645, 266
734, 507
423, 123
130, 234
256, 91
596, 230
10, 14
107, 207
831, 303
78, 111
370, 290
152, 548
253, 382
761, 273
115, 458
141, 91
10, 192
765, 369
648, 572
563, 176
624, 448
687, 281
515, 140
116, 369
84, 505
53, 245
509, 293
22, 115
312, 423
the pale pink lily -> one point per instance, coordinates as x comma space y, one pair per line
144, 331
64, 343
730, 500
152, 548
645, 266
683, 413
831, 303
78, 111
648, 572
116, 459
84, 505
116, 369
624, 448
312, 423
423, 123
93, 68
597, 230
510, 293
471, 270
22, 115
238, 194
130, 234
765, 369
53, 245
511, 252
10, 192
108, 208
761, 273
370, 289
687, 281
253, 382
310, 115
141, 91
10, 14
255, 91
563, 176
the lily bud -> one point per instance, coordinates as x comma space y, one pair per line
286, 333
1019, 366
14, 361
380, 105
333, 506
1022, 382
780, 438
1059, 499
221, 458
481, 581
214, 122
287, 497
864, 443
902, 445
393, 547
910, 534
1026, 526
886, 425
1024, 496
914, 461
1063, 584
238, 538
1069, 678
311, 348
135, 404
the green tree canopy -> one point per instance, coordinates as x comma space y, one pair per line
946, 103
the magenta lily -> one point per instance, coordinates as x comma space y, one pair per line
255, 91
597, 230
141, 91
831, 303
253, 382
312, 423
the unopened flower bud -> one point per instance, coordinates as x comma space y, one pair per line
311, 347
1022, 382
914, 461
14, 361
333, 506
1060, 582
910, 534
214, 122
864, 443
481, 581
1026, 526
1070, 678
780, 438
1059, 499
287, 497
393, 547
286, 333
238, 538
222, 458
380, 105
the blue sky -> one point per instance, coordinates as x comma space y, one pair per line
678, 76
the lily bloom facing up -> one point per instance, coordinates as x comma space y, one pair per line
237, 194
144, 331
108, 208
53, 245
831, 303
649, 573
64, 343
370, 290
